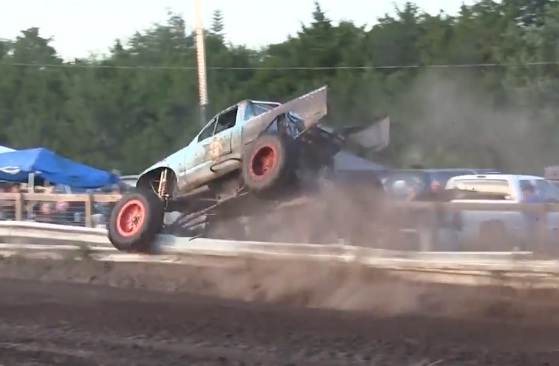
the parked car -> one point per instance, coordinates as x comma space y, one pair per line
500, 226
129, 180
396, 182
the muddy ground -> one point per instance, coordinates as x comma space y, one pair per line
255, 313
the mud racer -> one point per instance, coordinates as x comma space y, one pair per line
254, 148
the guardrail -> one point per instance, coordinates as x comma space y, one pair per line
48, 241
399, 221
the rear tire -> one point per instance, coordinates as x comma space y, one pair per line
135, 221
268, 164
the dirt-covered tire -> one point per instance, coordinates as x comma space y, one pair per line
135, 221
268, 164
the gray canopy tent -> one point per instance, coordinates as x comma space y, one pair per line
552, 172
347, 161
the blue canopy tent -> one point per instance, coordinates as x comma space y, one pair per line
16, 166
4, 149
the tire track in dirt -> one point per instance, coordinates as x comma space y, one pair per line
50, 323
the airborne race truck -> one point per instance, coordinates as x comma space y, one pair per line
246, 161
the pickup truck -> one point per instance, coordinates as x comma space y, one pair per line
506, 227
421, 180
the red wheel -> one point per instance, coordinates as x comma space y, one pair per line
262, 161
135, 221
130, 218
268, 164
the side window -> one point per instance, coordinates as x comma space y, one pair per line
524, 183
226, 120
208, 131
546, 190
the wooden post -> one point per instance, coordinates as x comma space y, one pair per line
18, 206
431, 228
542, 237
88, 210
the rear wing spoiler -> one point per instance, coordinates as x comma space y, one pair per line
311, 107
551, 172
374, 136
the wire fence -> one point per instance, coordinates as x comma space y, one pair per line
271, 68
89, 210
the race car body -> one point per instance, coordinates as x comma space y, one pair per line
218, 148
254, 147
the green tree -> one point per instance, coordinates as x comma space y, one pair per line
218, 27
128, 109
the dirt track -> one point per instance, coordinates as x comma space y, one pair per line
46, 323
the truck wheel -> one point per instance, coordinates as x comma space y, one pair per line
267, 164
135, 221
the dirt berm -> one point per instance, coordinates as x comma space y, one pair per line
258, 313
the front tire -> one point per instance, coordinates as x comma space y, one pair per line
135, 221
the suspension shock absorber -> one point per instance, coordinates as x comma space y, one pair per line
162, 189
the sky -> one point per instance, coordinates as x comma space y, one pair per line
83, 27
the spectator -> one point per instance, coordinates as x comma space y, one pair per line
434, 194
436, 224
57, 211
529, 195
435, 186
411, 194
399, 189
8, 207
43, 212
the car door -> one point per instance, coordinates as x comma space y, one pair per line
219, 145
211, 144
196, 163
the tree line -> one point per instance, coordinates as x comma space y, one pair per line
478, 88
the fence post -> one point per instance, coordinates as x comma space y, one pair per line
88, 210
542, 230
18, 203
429, 231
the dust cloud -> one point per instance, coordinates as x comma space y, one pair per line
301, 284
455, 123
